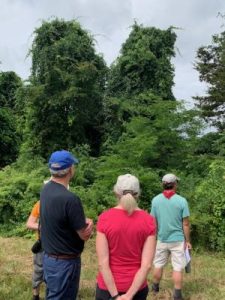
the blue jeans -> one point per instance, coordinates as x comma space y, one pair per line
62, 277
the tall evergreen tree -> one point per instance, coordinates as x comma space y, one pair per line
211, 66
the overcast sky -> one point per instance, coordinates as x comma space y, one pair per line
109, 21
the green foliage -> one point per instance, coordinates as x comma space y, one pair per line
207, 144
209, 208
132, 124
211, 66
64, 99
20, 186
144, 63
99, 196
9, 139
9, 84
205, 281
160, 131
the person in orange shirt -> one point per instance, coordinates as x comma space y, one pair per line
37, 277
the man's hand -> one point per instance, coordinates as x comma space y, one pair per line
86, 232
188, 245
89, 228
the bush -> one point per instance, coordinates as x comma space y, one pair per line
20, 186
209, 208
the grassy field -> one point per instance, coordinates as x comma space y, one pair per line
206, 282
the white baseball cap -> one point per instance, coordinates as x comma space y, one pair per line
170, 178
126, 183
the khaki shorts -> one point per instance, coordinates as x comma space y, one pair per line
164, 250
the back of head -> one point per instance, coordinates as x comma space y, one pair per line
169, 181
127, 188
60, 163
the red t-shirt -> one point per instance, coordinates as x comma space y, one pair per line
126, 236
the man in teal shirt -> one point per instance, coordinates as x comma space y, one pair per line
172, 216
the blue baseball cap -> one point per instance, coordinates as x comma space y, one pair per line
61, 160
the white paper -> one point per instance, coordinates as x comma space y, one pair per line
187, 255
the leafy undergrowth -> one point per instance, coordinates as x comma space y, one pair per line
206, 282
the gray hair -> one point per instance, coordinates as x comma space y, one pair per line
60, 173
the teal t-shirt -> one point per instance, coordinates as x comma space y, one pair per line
169, 214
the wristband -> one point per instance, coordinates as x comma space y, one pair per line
114, 297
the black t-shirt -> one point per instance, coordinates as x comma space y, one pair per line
61, 215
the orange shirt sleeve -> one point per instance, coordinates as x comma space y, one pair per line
36, 210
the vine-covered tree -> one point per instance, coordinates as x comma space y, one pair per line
211, 66
10, 82
144, 63
140, 77
64, 102
9, 139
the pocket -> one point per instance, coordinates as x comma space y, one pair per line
36, 247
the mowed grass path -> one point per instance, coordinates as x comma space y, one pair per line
206, 282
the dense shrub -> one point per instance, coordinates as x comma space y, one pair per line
208, 221
20, 186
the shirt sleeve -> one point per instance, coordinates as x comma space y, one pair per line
185, 212
75, 214
153, 209
36, 210
101, 224
151, 225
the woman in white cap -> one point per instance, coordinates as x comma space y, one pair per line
125, 245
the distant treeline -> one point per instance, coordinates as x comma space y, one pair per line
118, 119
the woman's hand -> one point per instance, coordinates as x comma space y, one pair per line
124, 297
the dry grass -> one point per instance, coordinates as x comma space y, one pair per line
206, 282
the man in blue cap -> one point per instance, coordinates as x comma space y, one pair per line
64, 229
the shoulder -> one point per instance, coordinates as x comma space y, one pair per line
71, 198
148, 221
147, 217
157, 197
144, 214
180, 198
181, 201
71, 195
104, 219
36, 209
37, 205
105, 214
